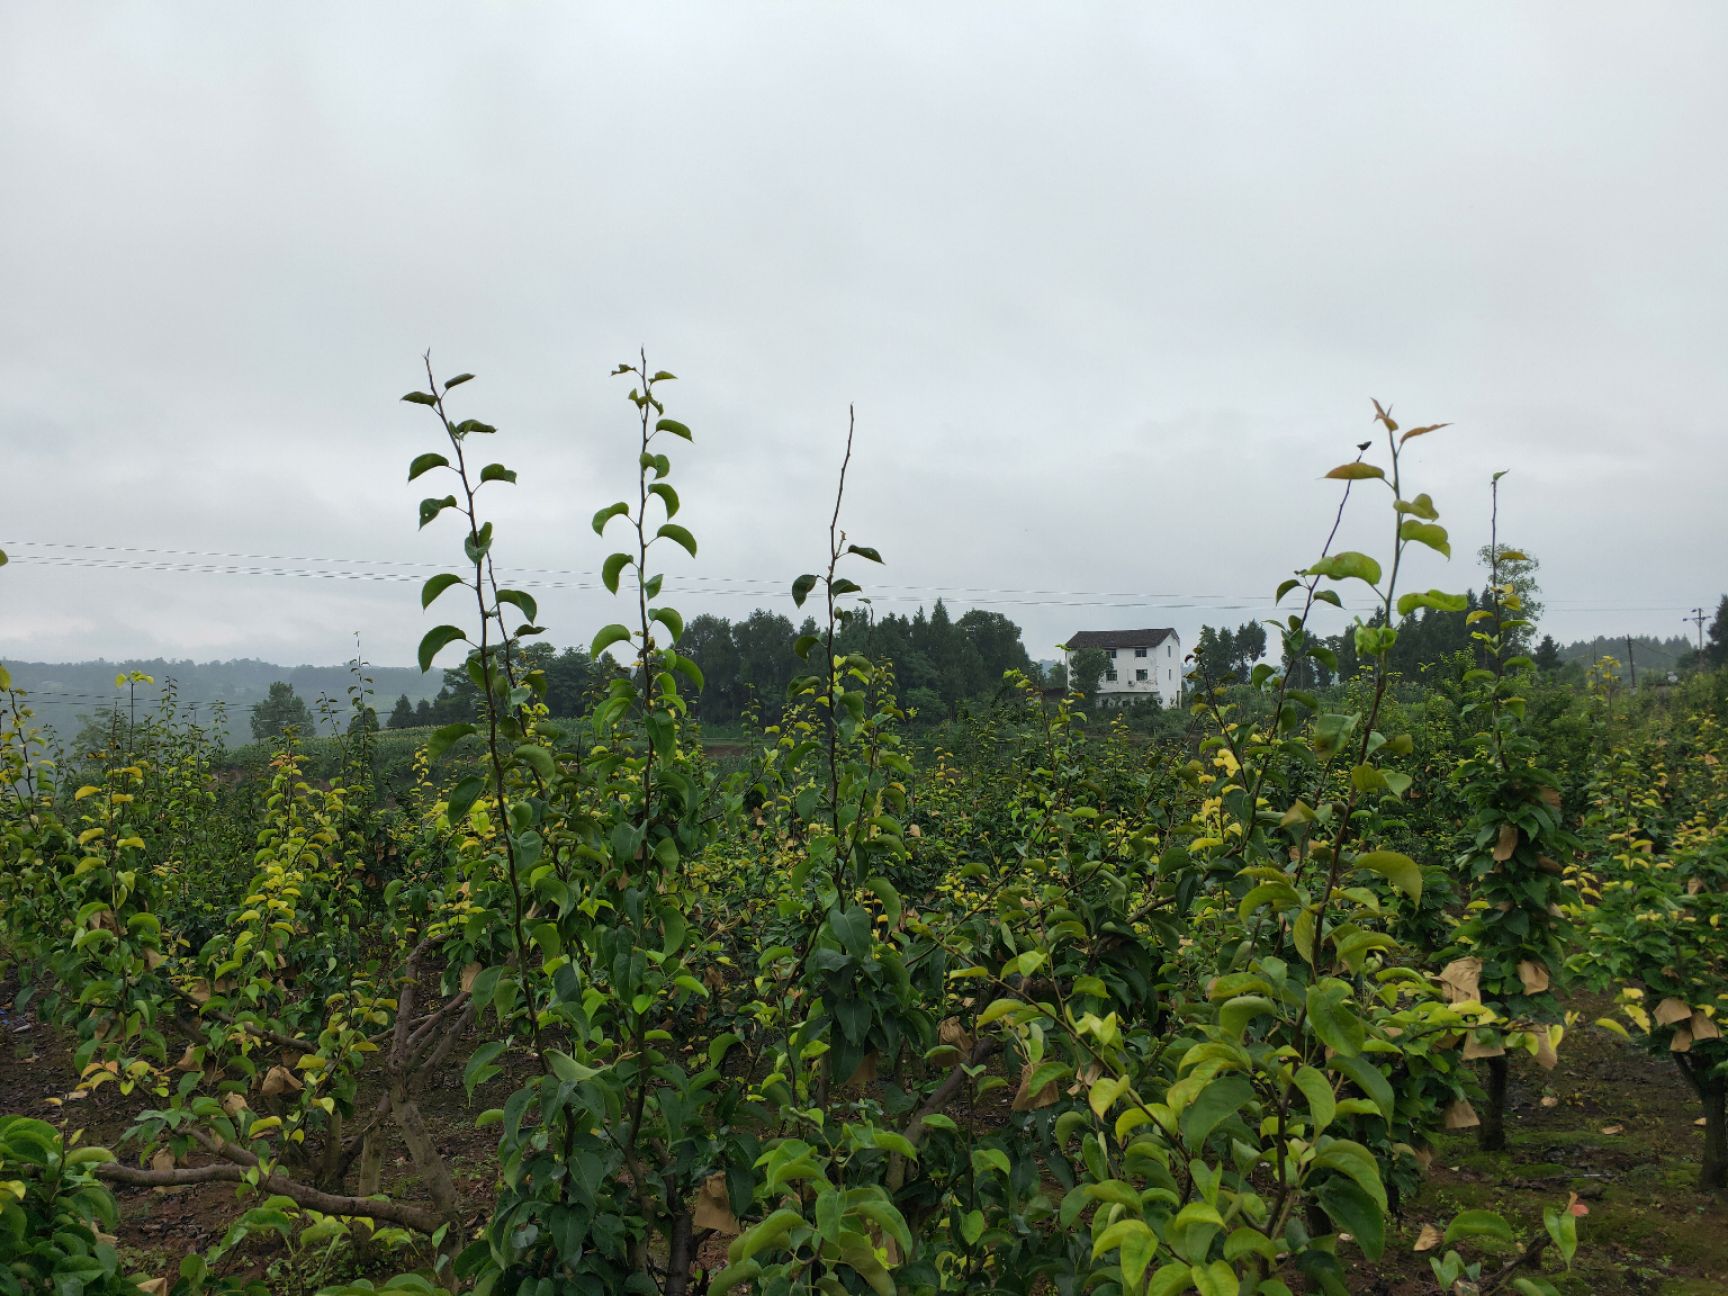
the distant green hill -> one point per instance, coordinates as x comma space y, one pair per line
65, 693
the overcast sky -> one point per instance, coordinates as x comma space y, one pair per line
1111, 287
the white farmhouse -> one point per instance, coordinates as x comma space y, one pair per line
1138, 664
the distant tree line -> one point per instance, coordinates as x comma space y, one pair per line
940, 665
572, 678
1225, 656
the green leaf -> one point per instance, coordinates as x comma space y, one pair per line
673, 426
478, 545
463, 796
1348, 565
1400, 870
801, 588
497, 472
864, 551
1197, 1217
1422, 506
436, 586
1368, 1078
612, 568
1562, 1226
1332, 1016
1215, 1279
435, 639
1478, 1224
431, 508
1356, 472
670, 618
1135, 1243
688, 668
522, 601
421, 398
458, 380
426, 463
1235, 1015
1352, 1159
568, 1068
480, 1069
608, 636
1431, 534
1439, 600
763, 1235
672, 531
667, 495
1316, 1090
1354, 1212
606, 514
444, 736
1217, 1102
537, 758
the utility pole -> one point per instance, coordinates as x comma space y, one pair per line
1697, 616
1631, 662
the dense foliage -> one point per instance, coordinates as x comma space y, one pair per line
1028, 1003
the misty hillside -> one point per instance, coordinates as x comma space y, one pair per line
66, 692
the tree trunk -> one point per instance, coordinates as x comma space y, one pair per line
1712, 1091
680, 1255
330, 1167
371, 1180
1491, 1135
427, 1159
1713, 1174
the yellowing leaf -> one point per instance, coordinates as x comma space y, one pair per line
1355, 472
1398, 869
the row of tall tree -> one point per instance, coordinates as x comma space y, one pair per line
941, 664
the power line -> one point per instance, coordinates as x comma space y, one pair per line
707, 586
736, 587
776, 584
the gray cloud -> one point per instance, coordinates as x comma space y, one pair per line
1111, 288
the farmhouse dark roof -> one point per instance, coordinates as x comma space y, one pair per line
1118, 639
